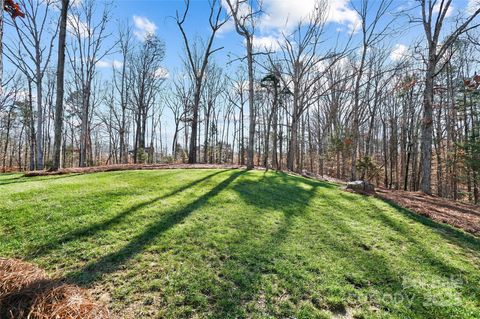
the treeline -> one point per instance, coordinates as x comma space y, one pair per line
345, 107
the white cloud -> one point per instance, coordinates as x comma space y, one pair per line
109, 64
244, 9
436, 9
340, 12
472, 6
143, 27
77, 27
266, 43
399, 52
162, 73
286, 14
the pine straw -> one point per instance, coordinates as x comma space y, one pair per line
15, 274
26, 292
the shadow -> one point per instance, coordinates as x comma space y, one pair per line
292, 235
256, 251
285, 177
113, 261
117, 219
5, 181
369, 268
375, 212
18, 302
278, 190
22, 179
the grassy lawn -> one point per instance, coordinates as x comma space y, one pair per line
236, 244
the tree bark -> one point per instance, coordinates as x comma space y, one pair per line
427, 125
251, 93
60, 86
1, 44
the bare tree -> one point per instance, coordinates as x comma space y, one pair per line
146, 77
197, 60
34, 44
14, 10
86, 50
214, 84
244, 13
434, 13
372, 33
303, 71
120, 80
2, 4
60, 85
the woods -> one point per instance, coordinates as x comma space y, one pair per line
82, 89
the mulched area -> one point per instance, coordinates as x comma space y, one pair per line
458, 214
26, 292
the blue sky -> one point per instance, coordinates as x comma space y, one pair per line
157, 15
280, 15
161, 13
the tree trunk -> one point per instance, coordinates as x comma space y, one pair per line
251, 92
427, 126
7, 138
32, 127
292, 147
192, 154
1, 44
39, 141
60, 86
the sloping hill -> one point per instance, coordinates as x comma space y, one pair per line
237, 244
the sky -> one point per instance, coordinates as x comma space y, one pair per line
157, 16
280, 16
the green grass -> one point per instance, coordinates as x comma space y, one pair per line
236, 244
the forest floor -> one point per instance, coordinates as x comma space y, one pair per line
229, 243
455, 213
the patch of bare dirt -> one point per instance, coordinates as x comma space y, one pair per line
458, 214
127, 167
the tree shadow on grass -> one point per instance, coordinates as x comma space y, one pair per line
23, 179
90, 230
450, 233
113, 261
454, 236
249, 259
422, 253
365, 269
374, 276
279, 190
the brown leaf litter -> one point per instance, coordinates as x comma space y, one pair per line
27, 292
